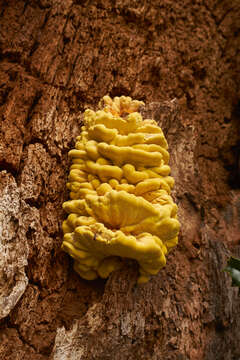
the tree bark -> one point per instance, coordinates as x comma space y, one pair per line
58, 58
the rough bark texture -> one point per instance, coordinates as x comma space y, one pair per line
58, 57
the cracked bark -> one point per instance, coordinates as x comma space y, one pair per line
56, 59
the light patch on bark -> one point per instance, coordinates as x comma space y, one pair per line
93, 318
65, 347
13, 248
132, 323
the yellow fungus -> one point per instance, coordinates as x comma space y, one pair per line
104, 171
127, 187
126, 154
79, 154
163, 170
92, 150
101, 133
157, 139
120, 189
113, 183
102, 161
103, 189
132, 175
128, 140
95, 183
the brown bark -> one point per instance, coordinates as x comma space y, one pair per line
59, 57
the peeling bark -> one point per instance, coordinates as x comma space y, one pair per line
56, 59
13, 246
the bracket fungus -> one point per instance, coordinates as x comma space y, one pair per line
120, 188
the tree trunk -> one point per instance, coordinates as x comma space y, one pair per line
58, 58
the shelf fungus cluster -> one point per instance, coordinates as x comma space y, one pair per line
120, 188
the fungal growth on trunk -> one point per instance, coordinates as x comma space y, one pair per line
120, 188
